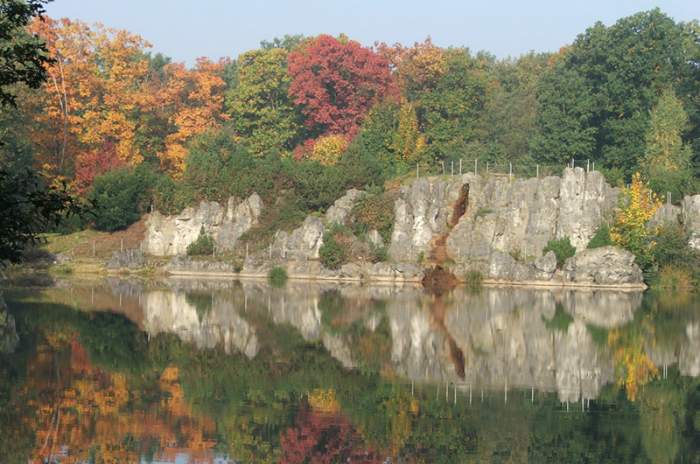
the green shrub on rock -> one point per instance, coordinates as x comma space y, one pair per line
277, 276
203, 246
332, 253
601, 238
562, 248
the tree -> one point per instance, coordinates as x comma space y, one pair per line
196, 100
259, 105
611, 78
22, 54
667, 160
336, 82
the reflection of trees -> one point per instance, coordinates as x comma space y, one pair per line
661, 412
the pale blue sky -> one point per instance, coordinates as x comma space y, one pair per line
186, 29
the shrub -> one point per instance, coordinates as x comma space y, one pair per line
277, 276
674, 278
203, 246
562, 248
601, 237
473, 279
671, 247
378, 254
120, 197
373, 211
332, 254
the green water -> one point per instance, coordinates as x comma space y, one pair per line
224, 371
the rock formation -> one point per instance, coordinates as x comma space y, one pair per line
170, 235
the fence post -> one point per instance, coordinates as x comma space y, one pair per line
594, 165
668, 198
537, 171
452, 167
417, 174
487, 168
588, 166
460, 166
510, 170
476, 164
122, 245
443, 167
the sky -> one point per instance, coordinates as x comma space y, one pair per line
187, 29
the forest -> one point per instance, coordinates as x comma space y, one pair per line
301, 119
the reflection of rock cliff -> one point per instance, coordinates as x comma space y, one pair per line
498, 338
205, 325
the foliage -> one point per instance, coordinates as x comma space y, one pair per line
24, 56
336, 82
595, 101
408, 143
562, 248
277, 276
328, 149
634, 367
378, 254
202, 246
601, 237
31, 204
373, 211
259, 105
667, 159
473, 279
674, 278
560, 321
630, 230
119, 197
332, 252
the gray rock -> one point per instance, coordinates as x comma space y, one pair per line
605, 265
302, 243
375, 238
547, 263
339, 212
690, 217
667, 214
170, 235
127, 259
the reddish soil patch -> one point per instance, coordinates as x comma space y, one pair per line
438, 280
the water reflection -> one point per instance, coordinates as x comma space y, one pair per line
209, 371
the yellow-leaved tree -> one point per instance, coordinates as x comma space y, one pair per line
639, 203
328, 149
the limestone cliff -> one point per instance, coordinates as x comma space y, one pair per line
491, 224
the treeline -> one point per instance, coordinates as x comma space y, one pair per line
306, 117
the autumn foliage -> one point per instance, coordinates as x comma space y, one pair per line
336, 82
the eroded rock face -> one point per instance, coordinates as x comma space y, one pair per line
170, 235
605, 265
339, 212
8, 333
302, 243
690, 217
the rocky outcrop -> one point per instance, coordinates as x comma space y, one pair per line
170, 235
339, 212
604, 266
8, 333
687, 215
500, 215
127, 259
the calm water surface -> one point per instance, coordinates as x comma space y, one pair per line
204, 371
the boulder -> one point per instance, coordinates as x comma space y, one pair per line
339, 212
603, 266
302, 243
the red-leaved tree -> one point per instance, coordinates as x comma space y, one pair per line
336, 82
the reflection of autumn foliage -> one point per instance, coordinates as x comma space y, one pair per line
634, 368
319, 438
84, 412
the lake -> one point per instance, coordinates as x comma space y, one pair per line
215, 371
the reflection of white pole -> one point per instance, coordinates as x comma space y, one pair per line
505, 393
455, 393
470, 394
532, 395
411, 387
447, 390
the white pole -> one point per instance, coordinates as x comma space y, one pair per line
510, 170
538, 171
452, 167
460, 166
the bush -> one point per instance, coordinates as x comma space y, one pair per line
601, 237
332, 254
674, 278
671, 247
473, 279
378, 254
203, 246
120, 197
373, 211
562, 248
277, 276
